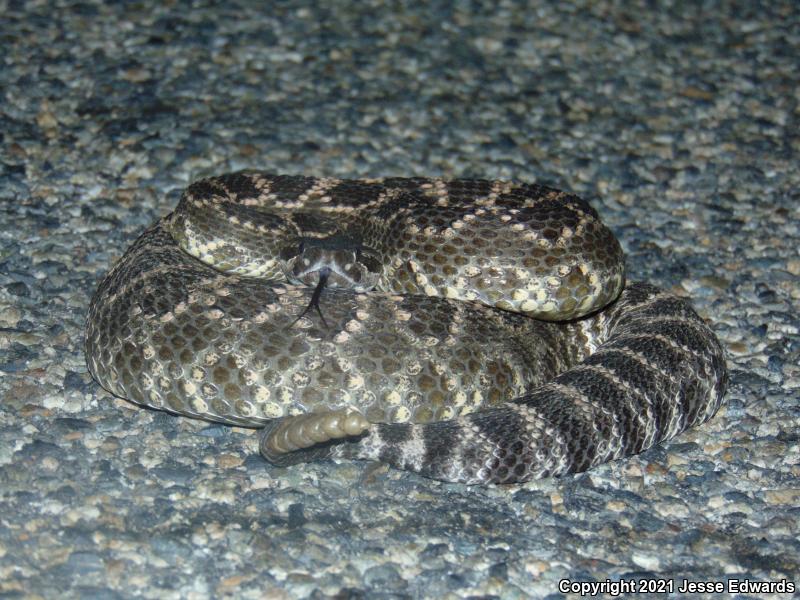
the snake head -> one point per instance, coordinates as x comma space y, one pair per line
348, 264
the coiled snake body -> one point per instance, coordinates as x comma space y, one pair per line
468, 330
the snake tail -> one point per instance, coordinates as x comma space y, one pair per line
299, 432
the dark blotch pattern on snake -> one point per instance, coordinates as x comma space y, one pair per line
468, 330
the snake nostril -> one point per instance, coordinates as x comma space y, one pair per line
372, 264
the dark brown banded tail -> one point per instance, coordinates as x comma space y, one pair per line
659, 372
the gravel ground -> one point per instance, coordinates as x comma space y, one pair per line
679, 124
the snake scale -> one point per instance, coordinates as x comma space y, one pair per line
468, 330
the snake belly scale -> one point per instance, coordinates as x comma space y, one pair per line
468, 330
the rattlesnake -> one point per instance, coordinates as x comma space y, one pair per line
469, 330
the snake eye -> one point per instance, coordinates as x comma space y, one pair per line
290, 252
367, 258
